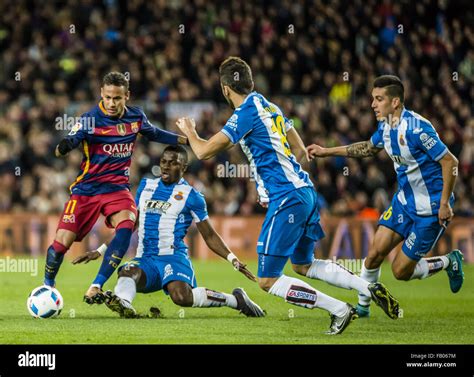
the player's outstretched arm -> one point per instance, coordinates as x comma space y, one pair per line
449, 167
359, 150
90, 255
218, 246
158, 135
297, 145
203, 149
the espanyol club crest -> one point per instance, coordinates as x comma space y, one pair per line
121, 129
179, 196
134, 127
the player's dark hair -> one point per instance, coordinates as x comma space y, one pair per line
236, 74
392, 84
179, 150
116, 79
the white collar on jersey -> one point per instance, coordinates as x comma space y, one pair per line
402, 115
246, 98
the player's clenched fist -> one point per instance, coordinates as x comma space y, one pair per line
316, 151
186, 125
445, 214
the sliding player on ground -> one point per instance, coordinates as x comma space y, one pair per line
167, 207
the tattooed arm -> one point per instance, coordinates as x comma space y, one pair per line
362, 149
359, 150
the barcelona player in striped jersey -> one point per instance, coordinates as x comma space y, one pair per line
291, 226
108, 135
421, 207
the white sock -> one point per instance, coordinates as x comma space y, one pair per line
205, 298
372, 276
126, 288
429, 266
335, 274
297, 292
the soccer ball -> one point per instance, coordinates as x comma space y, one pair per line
45, 302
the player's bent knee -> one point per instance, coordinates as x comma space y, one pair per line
301, 269
401, 273
266, 283
182, 298
374, 259
121, 216
130, 272
65, 237
181, 295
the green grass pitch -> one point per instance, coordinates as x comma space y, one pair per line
431, 313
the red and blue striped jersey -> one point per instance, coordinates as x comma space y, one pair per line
108, 144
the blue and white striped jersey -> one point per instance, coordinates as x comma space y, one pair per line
261, 128
415, 148
166, 212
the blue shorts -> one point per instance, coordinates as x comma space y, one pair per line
161, 270
290, 230
419, 232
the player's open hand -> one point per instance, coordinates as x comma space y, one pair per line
186, 125
241, 267
87, 257
445, 214
315, 150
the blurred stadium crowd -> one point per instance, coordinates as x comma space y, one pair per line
316, 59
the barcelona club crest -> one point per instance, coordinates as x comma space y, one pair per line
134, 127
121, 129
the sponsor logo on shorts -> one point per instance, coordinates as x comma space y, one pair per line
183, 275
69, 219
410, 241
168, 271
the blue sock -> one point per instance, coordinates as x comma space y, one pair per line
54, 258
113, 255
